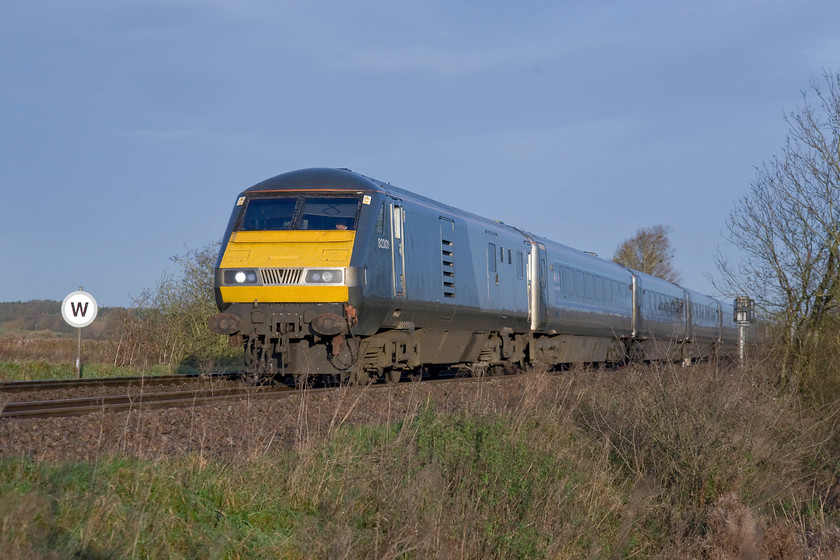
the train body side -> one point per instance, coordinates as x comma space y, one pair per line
327, 271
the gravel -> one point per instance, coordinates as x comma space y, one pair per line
238, 430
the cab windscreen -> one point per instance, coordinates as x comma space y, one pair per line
300, 213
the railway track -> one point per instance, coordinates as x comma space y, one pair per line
146, 400
116, 403
148, 380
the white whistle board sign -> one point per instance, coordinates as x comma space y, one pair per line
79, 309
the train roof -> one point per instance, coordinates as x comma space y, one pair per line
326, 179
318, 178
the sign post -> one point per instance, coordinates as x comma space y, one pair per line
79, 310
744, 316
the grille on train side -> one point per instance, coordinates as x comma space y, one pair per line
280, 276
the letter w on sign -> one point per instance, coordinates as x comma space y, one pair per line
79, 308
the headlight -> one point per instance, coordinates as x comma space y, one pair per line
323, 277
240, 276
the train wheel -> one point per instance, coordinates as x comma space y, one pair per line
361, 377
393, 375
495, 370
417, 373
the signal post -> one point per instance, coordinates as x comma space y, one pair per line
79, 309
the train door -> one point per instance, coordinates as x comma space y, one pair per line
537, 286
492, 268
529, 283
688, 317
397, 246
636, 321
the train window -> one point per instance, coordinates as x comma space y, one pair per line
397, 222
510, 257
520, 266
269, 214
569, 281
606, 289
579, 290
323, 213
491, 257
380, 220
590, 286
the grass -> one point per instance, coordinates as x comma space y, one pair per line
434, 486
50, 357
644, 462
40, 369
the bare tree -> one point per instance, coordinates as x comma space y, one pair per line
649, 251
168, 325
787, 228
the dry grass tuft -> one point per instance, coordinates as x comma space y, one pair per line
709, 461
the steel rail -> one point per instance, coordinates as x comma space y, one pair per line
115, 403
40, 385
112, 403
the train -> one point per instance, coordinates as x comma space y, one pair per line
328, 272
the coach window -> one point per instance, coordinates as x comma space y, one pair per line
579, 290
520, 266
569, 281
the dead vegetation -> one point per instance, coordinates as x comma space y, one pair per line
643, 462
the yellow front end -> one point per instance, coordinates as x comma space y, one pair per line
283, 258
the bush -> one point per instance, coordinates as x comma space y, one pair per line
169, 325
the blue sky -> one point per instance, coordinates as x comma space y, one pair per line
129, 127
